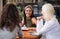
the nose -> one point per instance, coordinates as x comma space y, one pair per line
28, 11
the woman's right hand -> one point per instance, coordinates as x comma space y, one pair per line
39, 18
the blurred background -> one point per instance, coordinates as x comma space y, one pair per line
36, 4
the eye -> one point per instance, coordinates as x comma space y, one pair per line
26, 10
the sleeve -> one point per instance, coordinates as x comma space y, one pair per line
20, 33
47, 27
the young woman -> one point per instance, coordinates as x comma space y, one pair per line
51, 28
9, 25
29, 20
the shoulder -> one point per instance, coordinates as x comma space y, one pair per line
34, 20
53, 22
16, 29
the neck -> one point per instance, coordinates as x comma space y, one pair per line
28, 17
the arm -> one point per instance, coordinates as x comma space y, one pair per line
47, 27
20, 33
22, 23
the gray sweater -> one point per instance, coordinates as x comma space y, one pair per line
5, 34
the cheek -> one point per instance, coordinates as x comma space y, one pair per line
30, 13
27, 14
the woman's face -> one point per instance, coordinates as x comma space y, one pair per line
28, 12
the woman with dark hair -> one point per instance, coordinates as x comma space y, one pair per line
29, 20
9, 25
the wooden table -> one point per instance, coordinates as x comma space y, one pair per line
27, 35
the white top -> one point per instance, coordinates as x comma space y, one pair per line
39, 25
5, 34
51, 29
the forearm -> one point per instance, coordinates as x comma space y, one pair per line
46, 28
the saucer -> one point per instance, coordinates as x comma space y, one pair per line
25, 28
34, 33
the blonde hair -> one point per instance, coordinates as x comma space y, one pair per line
28, 6
48, 11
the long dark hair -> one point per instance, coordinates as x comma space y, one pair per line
9, 17
32, 15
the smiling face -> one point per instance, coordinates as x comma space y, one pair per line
28, 12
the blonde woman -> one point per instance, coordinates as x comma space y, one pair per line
51, 28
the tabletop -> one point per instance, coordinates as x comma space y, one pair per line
26, 34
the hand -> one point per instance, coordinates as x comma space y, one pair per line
39, 18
